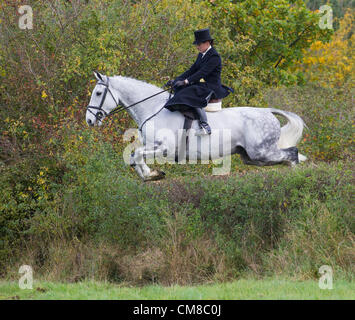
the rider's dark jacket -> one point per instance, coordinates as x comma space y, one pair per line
197, 94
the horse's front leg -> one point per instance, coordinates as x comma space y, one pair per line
137, 161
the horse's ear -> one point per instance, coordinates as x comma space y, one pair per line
98, 76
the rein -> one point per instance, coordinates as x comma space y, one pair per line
119, 107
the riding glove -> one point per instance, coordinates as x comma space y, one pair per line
169, 83
180, 83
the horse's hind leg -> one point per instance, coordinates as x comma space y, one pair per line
246, 159
292, 155
274, 155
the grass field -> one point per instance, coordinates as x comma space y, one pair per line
241, 289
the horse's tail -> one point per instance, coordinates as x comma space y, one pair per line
291, 133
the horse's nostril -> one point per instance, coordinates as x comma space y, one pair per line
89, 121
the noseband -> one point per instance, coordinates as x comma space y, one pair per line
99, 114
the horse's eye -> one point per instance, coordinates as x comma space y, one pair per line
98, 93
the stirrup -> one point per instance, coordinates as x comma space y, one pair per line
204, 130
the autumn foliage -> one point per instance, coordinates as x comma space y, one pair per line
332, 64
74, 210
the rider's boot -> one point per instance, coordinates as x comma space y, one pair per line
204, 127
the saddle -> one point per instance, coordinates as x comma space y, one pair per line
214, 105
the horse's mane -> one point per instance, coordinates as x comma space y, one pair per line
145, 88
132, 90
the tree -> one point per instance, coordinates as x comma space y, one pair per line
261, 39
339, 7
332, 64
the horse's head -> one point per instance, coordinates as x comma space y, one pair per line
102, 101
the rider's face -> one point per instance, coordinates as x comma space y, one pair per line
203, 46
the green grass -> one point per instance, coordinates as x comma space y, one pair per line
241, 289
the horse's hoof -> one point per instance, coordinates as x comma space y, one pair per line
155, 175
161, 174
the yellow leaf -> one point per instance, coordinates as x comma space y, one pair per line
44, 95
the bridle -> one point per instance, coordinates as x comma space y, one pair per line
99, 114
119, 107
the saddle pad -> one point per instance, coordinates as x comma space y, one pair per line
213, 107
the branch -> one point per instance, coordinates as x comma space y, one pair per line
292, 44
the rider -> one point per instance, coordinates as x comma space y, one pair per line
189, 91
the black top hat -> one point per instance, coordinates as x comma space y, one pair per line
202, 36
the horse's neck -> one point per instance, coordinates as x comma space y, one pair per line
131, 91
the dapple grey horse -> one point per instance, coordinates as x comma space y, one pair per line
254, 133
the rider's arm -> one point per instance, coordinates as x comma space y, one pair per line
211, 64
